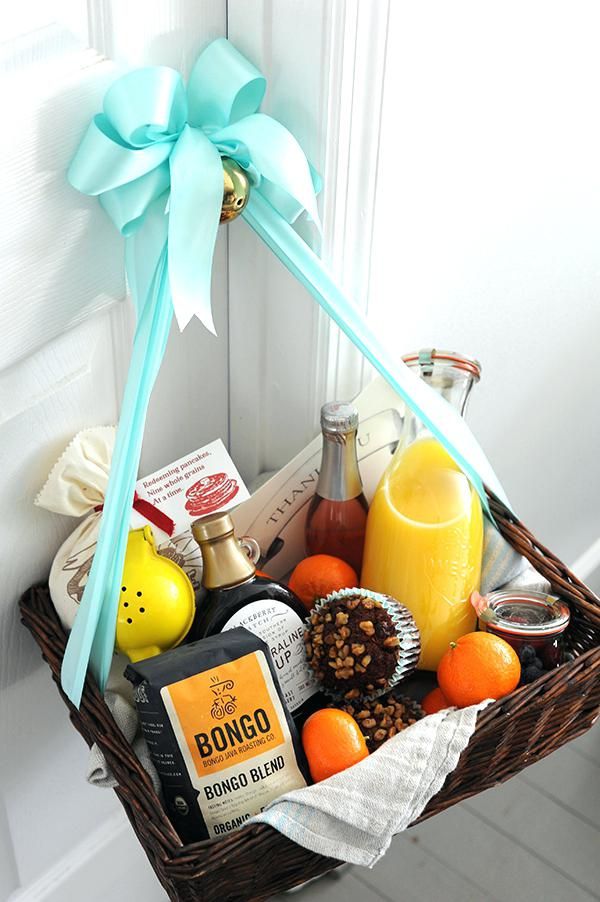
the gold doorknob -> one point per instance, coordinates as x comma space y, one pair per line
236, 190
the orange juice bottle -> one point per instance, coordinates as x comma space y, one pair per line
424, 537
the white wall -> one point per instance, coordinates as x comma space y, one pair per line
487, 233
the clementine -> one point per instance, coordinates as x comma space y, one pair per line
320, 574
435, 701
478, 666
332, 742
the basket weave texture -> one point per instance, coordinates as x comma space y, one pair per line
257, 861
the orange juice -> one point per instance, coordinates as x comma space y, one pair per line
424, 544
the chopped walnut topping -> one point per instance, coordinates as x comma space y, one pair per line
348, 644
383, 718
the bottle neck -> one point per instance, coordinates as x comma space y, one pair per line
339, 476
452, 384
225, 564
455, 388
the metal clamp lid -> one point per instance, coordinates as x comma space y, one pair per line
428, 357
525, 612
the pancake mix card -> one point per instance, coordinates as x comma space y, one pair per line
201, 483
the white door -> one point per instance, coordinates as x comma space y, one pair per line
66, 329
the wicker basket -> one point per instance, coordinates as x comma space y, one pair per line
257, 861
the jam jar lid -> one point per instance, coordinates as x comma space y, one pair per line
525, 613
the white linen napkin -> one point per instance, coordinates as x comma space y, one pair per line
502, 566
353, 815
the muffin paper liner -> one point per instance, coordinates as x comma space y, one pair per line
406, 631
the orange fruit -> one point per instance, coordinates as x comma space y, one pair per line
332, 742
320, 574
478, 666
435, 701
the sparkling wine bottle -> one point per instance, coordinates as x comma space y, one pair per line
337, 515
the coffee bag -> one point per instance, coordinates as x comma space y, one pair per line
216, 726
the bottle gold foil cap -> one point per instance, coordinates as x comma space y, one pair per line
214, 526
339, 417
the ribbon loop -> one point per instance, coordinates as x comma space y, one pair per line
101, 163
147, 106
224, 87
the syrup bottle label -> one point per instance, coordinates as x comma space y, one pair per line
283, 631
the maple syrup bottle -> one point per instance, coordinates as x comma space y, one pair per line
337, 515
236, 596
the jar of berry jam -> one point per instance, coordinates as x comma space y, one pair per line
527, 618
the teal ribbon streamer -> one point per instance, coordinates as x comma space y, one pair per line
153, 159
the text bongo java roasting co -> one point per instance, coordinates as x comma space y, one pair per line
219, 734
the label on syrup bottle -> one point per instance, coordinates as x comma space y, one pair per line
283, 631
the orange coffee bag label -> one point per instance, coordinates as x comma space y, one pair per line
233, 734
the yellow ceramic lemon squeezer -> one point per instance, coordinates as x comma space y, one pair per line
157, 604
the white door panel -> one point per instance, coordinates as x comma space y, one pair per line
156, 32
61, 258
65, 387
49, 806
62, 388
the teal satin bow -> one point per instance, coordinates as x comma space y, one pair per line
155, 139
153, 157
